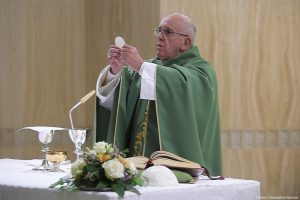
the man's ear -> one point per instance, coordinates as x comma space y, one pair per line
187, 44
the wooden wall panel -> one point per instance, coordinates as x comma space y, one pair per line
42, 61
254, 46
270, 157
275, 168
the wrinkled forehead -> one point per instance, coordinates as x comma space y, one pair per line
172, 22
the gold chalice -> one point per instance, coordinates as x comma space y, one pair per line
56, 157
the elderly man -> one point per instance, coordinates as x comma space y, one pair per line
168, 103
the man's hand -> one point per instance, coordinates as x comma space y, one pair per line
114, 59
131, 57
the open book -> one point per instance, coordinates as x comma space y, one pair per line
169, 160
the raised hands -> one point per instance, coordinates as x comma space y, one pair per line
131, 57
128, 55
114, 59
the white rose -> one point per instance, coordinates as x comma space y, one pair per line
113, 169
100, 147
75, 168
131, 167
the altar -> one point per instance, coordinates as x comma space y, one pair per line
19, 182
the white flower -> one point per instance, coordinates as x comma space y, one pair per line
92, 153
131, 167
100, 147
76, 168
113, 169
109, 148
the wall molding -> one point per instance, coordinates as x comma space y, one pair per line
233, 138
252, 138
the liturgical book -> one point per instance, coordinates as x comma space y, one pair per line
169, 160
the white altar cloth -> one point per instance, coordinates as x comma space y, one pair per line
19, 182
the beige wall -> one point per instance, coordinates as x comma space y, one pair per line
254, 46
42, 61
52, 51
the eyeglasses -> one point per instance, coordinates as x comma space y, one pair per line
167, 32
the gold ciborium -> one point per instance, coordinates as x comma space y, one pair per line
56, 157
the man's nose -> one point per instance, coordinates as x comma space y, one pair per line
160, 35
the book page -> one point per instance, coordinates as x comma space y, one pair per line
138, 161
159, 154
169, 162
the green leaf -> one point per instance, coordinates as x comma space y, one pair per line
119, 189
59, 182
101, 172
102, 184
124, 153
64, 184
91, 168
137, 181
133, 189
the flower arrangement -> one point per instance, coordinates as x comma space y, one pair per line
103, 168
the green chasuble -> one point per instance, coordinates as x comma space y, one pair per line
184, 118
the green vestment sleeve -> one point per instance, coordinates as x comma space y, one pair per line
185, 113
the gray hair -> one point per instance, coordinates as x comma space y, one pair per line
189, 27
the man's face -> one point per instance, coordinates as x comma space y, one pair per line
168, 47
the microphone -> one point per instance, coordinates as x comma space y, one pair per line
87, 96
82, 100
